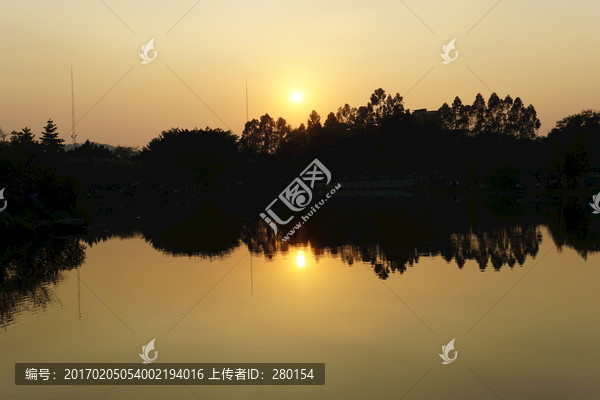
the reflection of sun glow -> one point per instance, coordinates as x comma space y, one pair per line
296, 97
300, 259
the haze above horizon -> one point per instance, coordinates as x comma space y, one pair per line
295, 56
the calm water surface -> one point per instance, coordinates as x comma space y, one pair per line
529, 331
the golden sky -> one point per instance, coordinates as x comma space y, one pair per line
331, 51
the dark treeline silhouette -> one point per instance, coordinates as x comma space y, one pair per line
33, 188
493, 144
490, 146
484, 144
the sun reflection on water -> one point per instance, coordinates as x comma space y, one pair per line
300, 259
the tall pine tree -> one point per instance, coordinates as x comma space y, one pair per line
50, 140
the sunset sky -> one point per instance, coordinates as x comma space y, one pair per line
331, 52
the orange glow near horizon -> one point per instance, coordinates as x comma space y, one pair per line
198, 78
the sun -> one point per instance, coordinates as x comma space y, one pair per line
296, 97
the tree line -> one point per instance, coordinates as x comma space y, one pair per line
487, 144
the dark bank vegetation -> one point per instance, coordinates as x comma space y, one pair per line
487, 145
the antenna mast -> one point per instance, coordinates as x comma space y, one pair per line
73, 134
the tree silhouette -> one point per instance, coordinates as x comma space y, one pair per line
314, 122
331, 121
24, 137
90, 151
384, 107
208, 156
264, 137
49, 140
125, 152
346, 115
575, 146
498, 116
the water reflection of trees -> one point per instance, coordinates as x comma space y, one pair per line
572, 224
28, 272
209, 232
509, 246
203, 230
391, 235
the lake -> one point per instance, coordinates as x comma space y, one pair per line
373, 288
